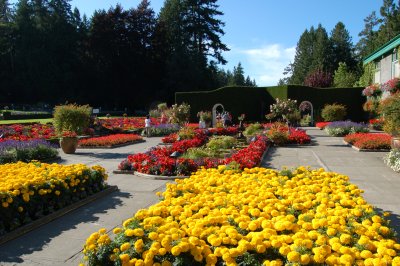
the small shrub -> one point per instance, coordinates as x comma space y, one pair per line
342, 128
71, 117
221, 142
186, 133
333, 112
390, 109
278, 137
392, 159
253, 129
305, 120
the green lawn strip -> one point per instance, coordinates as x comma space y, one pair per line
26, 121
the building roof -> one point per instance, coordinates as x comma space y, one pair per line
387, 47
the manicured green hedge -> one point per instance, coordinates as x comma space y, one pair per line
255, 101
10, 116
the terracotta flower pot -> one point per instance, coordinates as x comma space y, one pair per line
395, 143
69, 144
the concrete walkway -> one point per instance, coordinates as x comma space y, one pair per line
60, 242
365, 169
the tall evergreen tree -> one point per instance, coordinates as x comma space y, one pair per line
367, 43
342, 47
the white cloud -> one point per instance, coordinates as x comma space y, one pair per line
266, 63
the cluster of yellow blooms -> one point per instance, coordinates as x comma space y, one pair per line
254, 217
20, 183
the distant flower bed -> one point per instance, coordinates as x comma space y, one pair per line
280, 134
369, 141
229, 131
125, 123
343, 128
322, 125
162, 130
31, 190
26, 132
26, 151
108, 141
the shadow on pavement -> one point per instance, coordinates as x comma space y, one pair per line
394, 220
35, 240
104, 155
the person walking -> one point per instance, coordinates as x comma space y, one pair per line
147, 125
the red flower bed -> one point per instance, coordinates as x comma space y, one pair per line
26, 132
170, 138
369, 141
322, 125
223, 131
157, 161
110, 140
250, 156
376, 123
298, 136
126, 123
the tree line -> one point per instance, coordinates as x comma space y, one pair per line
51, 53
324, 60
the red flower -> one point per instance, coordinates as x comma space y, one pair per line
322, 125
109, 140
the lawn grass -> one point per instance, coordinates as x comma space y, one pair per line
25, 121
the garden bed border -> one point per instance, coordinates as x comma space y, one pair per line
57, 214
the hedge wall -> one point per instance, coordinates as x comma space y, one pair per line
255, 101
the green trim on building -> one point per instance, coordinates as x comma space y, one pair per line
387, 47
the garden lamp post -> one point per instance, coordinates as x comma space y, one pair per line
175, 156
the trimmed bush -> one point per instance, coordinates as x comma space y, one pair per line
72, 117
333, 112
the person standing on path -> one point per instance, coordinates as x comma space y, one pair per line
147, 125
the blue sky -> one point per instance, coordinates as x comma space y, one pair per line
262, 34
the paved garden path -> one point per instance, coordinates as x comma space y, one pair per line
365, 169
60, 242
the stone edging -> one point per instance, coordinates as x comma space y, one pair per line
112, 146
364, 150
159, 177
52, 216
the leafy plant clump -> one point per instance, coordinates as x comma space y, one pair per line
333, 112
392, 159
221, 142
71, 117
253, 129
343, 128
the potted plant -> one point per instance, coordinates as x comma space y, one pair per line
69, 141
390, 109
206, 117
69, 121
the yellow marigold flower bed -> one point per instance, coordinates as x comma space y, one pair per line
31, 190
255, 217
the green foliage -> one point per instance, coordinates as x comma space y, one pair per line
71, 117
205, 116
390, 109
221, 142
367, 77
197, 153
186, 133
333, 112
253, 129
344, 77
305, 120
